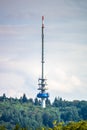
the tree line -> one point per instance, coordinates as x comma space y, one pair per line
29, 114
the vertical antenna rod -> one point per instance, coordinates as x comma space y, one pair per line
42, 47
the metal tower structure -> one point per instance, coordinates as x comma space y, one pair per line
42, 81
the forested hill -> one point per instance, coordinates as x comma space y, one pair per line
28, 112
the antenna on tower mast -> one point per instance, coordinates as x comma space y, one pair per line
42, 81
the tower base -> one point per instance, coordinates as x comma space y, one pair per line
43, 104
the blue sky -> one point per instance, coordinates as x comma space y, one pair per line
65, 47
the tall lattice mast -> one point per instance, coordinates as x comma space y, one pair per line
42, 81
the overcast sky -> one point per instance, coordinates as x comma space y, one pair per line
65, 47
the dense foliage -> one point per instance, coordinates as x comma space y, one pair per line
81, 125
29, 114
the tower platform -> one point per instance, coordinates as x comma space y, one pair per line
43, 95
